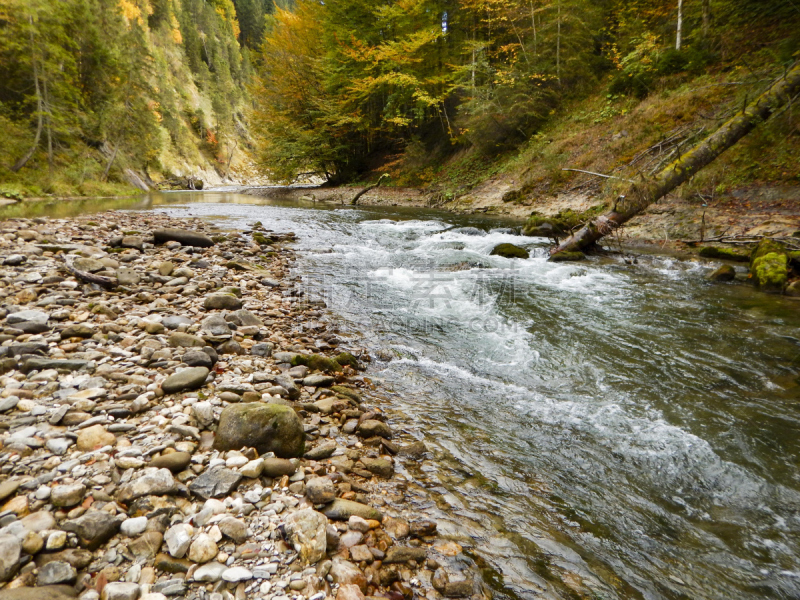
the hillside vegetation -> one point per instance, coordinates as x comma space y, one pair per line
98, 95
449, 94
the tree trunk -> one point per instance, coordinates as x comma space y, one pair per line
354, 201
558, 46
110, 162
680, 25
644, 192
39, 108
49, 129
706, 18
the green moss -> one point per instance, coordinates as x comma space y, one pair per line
509, 251
347, 392
561, 224
567, 257
766, 246
771, 272
723, 254
345, 358
262, 240
218, 239
723, 273
317, 362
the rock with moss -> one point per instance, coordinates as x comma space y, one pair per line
766, 246
261, 239
769, 266
793, 289
770, 272
723, 254
345, 358
567, 257
509, 251
723, 273
558, 225
347, 393
267, 427
316, 362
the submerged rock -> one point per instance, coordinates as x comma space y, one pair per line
567, 257
723, 273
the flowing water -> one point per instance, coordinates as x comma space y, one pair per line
599, 429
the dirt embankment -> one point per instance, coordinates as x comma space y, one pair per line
754, 210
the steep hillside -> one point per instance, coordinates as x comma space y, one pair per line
104, 96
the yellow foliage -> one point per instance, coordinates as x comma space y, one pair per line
176, 36
130, 11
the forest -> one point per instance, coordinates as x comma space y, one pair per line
100, 94
97, 93
348, 86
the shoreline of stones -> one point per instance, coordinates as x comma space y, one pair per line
178, 420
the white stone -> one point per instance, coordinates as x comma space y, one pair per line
120, 591
178, 539
210, 572
237, 574
133, 527
253, 470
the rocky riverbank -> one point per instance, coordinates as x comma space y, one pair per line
178, 420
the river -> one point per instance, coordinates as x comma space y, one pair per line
599, 429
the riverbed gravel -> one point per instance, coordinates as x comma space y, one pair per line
178, 419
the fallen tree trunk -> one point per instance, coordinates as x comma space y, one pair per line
646, 191
368, 188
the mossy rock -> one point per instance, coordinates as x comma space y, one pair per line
345, 358
262, 240
567, 257
509, 251
317, 362
219, 239
267, 427
347, 393
771, 272
766, 246
723, 273
723, 254
559, 225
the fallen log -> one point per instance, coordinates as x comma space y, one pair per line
354, 201
644, 192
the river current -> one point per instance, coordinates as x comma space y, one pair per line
599, 429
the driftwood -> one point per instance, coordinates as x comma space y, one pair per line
106, 282
746, 240
354, 201
646, 191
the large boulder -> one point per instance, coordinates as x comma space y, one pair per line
265, 427
184, 237
769, 266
